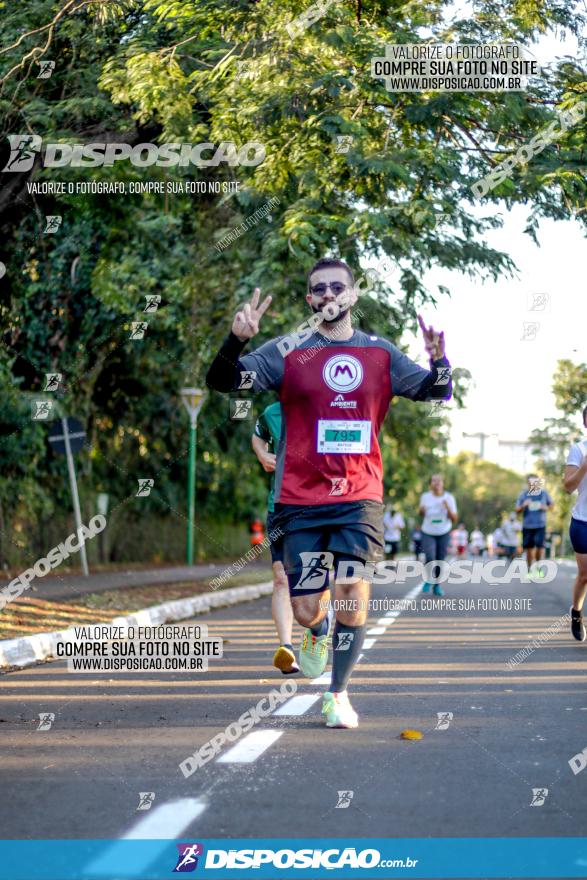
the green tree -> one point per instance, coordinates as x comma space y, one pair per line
484, 491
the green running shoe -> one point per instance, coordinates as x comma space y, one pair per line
313, 655
338, 710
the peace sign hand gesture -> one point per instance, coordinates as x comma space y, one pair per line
246, 320
433, 340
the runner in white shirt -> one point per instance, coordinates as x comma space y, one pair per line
393, 523
575, 479
510, 529
439, 510
497, 542
477, 545
462, 539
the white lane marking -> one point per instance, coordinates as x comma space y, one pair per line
297, 705
392, 614
322, 679
385, 621
368, 643
376, 631
250, 747
164, 822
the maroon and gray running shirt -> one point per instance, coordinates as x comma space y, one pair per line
334, 397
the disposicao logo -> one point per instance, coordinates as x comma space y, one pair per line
187, 859
24, 149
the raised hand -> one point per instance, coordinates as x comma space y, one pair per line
433, 340
246, 320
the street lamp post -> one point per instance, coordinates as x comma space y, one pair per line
192, 398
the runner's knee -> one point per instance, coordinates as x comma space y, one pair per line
352, 616
280, 580
352, 602
308, 610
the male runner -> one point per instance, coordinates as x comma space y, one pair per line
267, 433
575, 480
534, 501
329, 481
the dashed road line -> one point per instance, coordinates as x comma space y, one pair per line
164, 822
250, 747
297, 705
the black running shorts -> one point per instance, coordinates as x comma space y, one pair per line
533, 538
324, 535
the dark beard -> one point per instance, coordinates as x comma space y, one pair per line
331, 320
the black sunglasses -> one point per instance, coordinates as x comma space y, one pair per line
336, 287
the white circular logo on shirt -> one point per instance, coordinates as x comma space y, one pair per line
342, 373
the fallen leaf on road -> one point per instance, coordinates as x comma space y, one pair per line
411, 734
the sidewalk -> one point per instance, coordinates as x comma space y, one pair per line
41, 646
72, 586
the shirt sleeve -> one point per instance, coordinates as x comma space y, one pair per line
410, 380
261, 429
451, 502
264, 367
268, 366
521, 498
575, 455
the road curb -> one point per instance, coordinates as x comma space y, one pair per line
42, 646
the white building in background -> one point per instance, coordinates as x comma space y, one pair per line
515, 455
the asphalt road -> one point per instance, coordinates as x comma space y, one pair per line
512, 730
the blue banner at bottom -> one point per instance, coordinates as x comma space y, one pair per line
286, 858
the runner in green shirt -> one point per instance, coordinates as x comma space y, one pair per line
265, 442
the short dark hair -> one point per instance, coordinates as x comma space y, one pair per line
330, 263
532, 477
585, 416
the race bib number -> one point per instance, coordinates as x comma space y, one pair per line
344, 436
535, 505
436, 512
